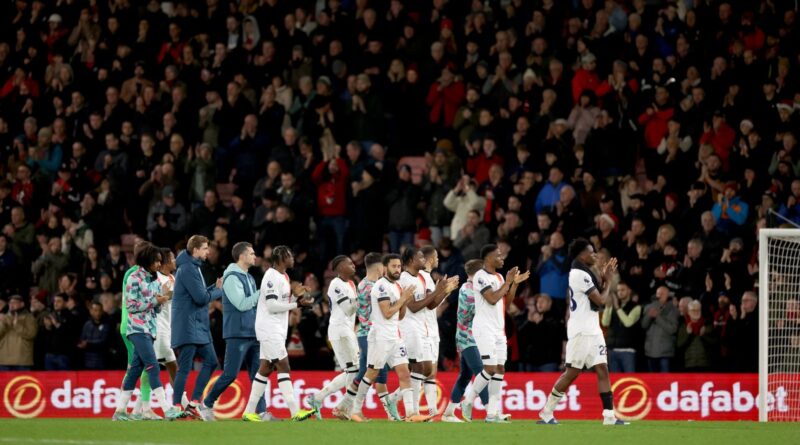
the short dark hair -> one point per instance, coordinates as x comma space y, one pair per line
338, 260
371, 259
147, 256
408, 255
487, 249
165, 253
389, 257
428, 250
577, 246
238, 249
280, 253
473, 266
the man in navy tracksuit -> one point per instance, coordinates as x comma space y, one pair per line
239, 302
191, 335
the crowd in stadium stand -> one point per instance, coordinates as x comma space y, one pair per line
663, 131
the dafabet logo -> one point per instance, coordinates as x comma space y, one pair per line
23, 397
634, 400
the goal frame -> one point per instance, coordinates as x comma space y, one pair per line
763, 314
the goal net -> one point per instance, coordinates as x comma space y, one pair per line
779, 325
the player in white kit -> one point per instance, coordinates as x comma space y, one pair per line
586, 346
342, 297
417, 327
165, 354
386, 345
488, 328
278, 296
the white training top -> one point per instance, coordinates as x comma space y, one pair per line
489, 318
339, 293
274, 286
583, 320
384, 328
433, 321
162, 318
415, 322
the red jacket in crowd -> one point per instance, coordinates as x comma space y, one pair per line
721, 139
584, 80
445, 100
478, 166
655, 126
331, 188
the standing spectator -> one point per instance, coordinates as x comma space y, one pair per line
623, 337
543, 336
402, 200
17, 333
444, 97
745, 333
660, 322
460, 200
553, 270
330, 176
166, 219
94, 339
191, 335
57, 339
473, 236
50, 266
696, 340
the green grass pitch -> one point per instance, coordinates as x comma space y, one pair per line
104, 432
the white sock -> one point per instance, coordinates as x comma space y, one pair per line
260, 383
494, 395
416, 389
430, 397
145, 405
363, 389
552, 401
350, 374
285, 385
335, 385
161, 398
481, 381
608, 413
122, 401
451, 409
408, 400
138, 408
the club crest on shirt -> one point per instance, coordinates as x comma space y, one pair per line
269, 284
586, 280
481, 282
336, 289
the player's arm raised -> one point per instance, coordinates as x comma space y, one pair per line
595, 295
493, 296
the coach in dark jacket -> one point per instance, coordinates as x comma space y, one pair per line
191, 334
239, 301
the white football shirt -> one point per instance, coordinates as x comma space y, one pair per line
163, 316
416, 322
274, 285
433, 321
583, 320
340, 291
384, 328
488, 317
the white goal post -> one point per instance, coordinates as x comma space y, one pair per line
779, 325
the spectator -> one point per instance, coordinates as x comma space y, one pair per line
542, 323
57, 337
550, 194
166, 219
622, 320
696, 340
745, 333
402, 200
472, 237
94, 340
17, 332
660, 322
553, 270
730, 211
49, 267
330, 177
461, 200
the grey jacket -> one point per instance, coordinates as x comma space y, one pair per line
660, 332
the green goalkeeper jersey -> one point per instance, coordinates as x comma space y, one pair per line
123, 325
